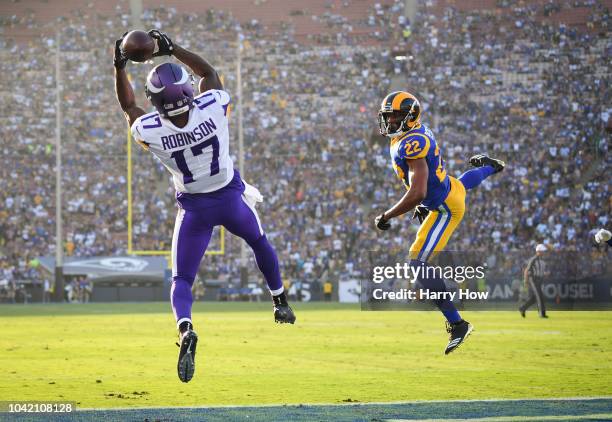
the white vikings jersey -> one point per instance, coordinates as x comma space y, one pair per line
197, 155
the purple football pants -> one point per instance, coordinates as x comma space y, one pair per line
197, 216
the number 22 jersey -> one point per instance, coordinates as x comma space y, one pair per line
421, 143
197, 155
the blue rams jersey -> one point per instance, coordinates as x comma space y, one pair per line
421, 143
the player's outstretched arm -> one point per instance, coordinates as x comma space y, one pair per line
123, 88
209, 76
198, 65
412, 198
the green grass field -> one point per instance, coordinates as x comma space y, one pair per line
123, 355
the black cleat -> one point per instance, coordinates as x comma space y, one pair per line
283, 314
522, 313
481, 160
458, 333
186, 359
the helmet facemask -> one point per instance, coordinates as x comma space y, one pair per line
393, 123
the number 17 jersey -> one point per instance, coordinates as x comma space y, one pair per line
197, 155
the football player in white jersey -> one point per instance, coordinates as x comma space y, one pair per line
190, 136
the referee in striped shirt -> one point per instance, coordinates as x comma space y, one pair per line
533, 276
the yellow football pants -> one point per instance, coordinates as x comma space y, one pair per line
436, 230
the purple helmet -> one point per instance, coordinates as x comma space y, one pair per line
170, 89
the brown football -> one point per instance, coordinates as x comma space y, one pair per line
138, 46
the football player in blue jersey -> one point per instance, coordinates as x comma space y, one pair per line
438, 200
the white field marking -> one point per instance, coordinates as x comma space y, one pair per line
507, 332
598, 416
350, 404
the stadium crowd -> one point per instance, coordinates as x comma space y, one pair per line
505, 81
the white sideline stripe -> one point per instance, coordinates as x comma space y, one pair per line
513, 418
229, 406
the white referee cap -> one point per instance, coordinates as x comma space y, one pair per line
541, 248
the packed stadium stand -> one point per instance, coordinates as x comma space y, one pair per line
528, 82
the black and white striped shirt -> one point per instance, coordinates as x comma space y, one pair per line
536, 268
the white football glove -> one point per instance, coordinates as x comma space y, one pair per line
252, 194
602, 235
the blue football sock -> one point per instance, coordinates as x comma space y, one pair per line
474, 177
436, 284
452, 315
